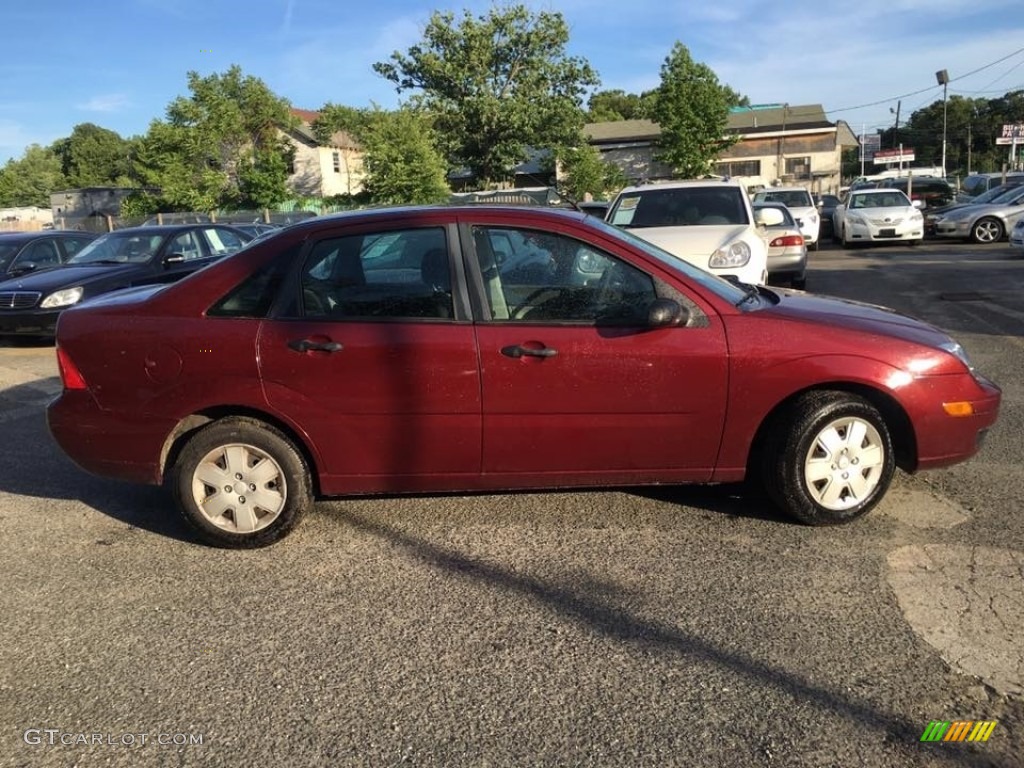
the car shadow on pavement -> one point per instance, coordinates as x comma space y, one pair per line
33, 465
597, 612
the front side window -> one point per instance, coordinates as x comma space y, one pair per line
681, 207
222, 241
42, 254
400, 274
185, 245
542, 277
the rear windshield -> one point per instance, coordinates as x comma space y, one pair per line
680, 207
791, 198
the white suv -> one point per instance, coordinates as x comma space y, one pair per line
707, 223
801, 205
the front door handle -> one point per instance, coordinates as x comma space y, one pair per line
517, 351
305, 345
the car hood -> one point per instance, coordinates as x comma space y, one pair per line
68, 276
693, 244
856, 316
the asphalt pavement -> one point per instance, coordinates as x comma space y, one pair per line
637, 627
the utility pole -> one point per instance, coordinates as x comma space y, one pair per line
896, 130
942, 77
969, 126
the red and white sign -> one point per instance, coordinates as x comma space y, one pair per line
889, 156
1012, 134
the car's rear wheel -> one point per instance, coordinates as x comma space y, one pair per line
987, 230
829, 459
241, 483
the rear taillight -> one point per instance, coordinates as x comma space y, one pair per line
786, 241
70, 376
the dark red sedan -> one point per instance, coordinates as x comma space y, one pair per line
485, 348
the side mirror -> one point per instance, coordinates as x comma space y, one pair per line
173, 258
768, 217
23, 269
919, 204
664, 313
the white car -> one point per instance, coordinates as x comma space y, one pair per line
1017, 235
878, 216
708, 223
801, 205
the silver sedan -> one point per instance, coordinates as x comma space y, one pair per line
984, 223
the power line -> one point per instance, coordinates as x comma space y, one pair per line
929, 88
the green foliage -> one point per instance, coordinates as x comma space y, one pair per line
402, 163
610, 106
499, 84
584, 172
94, 157
31, 179
692, 110
220, 146
337, 117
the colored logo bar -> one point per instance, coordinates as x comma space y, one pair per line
959, 730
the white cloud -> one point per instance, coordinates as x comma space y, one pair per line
108, 102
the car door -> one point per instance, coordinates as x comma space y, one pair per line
375, 357
576, 386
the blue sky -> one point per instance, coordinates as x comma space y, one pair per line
118, 63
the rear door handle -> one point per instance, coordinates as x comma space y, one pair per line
305, 345
517, 351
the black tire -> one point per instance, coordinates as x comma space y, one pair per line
787, 458
286, 495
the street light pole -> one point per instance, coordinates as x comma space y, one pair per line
942, 77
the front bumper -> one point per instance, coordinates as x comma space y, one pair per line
884, 231
29, 322
942, 439
957, 229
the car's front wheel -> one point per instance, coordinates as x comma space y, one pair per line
829, 459
241, 483
987, 230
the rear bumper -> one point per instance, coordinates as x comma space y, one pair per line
123, 448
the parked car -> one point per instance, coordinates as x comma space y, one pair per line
707, 223
1017, 234
787, 250
932, 192
872, 215
801, 204
381, 351
31, 304
256, 229
976, 183
991, 196
984, 222
826, 205
24, 252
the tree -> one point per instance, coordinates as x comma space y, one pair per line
498, 84
221, 146
31, 179
403, 165
610, 106
94, 157
585, 173
692, 110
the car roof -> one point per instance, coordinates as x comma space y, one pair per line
164, 229
689, 183
21, 236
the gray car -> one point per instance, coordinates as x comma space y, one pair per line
983, 223
787, 248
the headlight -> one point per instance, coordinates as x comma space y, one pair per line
916, 216
733, 255
64, 298
853, 218
958, 352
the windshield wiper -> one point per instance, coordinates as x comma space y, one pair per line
751, 291
97, 261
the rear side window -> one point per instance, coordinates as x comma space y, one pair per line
255, 295
399, 274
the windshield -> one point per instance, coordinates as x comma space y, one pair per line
680, 207
122, 247
791, 198
893, 199
722, 288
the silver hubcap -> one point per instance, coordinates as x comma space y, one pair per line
239, 488
987, 231
844, 463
